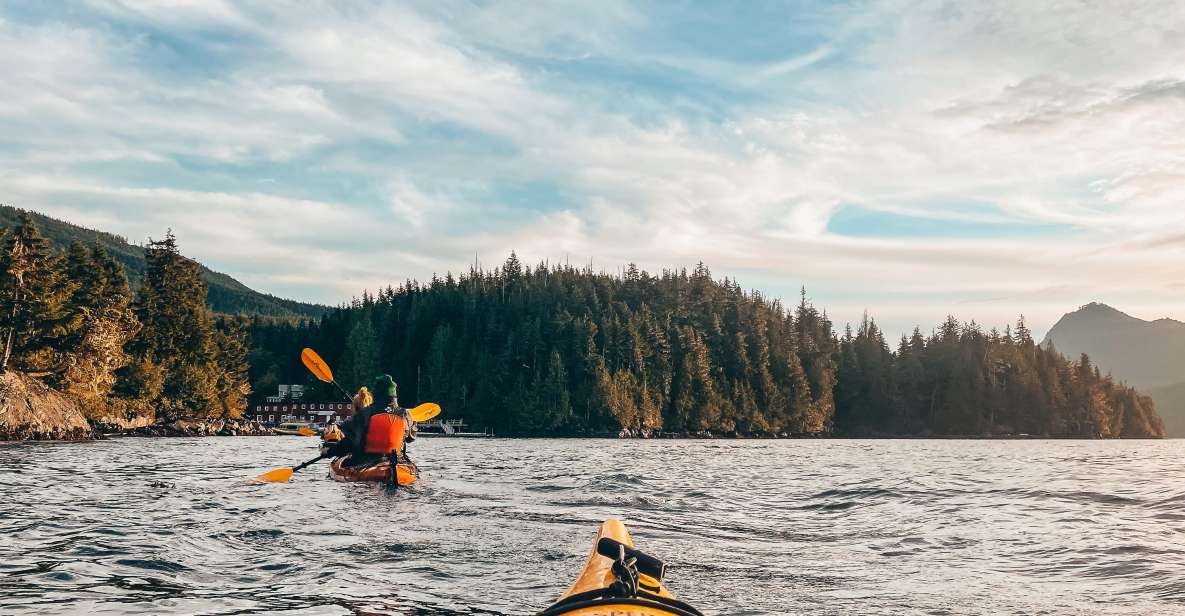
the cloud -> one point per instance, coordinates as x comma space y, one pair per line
179, 14
792, 64
398, 140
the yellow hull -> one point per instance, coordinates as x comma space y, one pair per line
587, 597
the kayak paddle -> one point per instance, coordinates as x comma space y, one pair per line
424, 412
320, 369
282, 475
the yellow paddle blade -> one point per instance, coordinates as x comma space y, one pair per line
280, 475
424, 412
316, 365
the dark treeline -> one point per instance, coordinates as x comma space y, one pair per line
963, 380
553, 350
70, 317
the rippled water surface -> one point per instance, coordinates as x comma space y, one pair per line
169, 526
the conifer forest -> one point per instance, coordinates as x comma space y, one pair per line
543, 350
71, 318
549, 350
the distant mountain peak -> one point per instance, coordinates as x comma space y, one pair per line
1096, 314
1100, 308
1144, 353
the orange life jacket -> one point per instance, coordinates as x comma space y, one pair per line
385, 434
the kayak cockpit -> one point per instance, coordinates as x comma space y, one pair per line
618, 576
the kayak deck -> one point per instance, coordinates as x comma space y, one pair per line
407, 473
599, 590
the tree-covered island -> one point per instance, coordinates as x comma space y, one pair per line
541, 350
562, 350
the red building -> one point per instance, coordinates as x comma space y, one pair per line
289, 404
312, 412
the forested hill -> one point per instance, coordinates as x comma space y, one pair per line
1147, 354
549, 350
225, 295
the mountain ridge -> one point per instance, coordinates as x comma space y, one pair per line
225, 295
1146, 354
1149, 355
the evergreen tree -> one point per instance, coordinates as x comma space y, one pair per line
231, 368
96, 350
89, 279
34, 316
438, 370
550, 395
360, 358
179, 346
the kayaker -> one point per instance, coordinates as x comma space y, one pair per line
378, 430
362, 399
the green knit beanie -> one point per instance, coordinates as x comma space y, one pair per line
384, 386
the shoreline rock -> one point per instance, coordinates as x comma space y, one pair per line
32, 411
118, 425
194, 427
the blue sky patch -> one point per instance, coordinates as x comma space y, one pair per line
857, 221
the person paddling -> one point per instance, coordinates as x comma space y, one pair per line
361, 400
378, 431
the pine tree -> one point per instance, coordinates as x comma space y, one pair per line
96, 350
230, 363
34, 294
178, 345
622, 398
555, 407
701, 397
440, 368
1023, 335
116, 292
172, 306
89, 279
360, 357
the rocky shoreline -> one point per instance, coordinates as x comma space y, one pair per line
30, 410
217, 427
705, 434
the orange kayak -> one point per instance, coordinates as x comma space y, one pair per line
379, 473
619, 580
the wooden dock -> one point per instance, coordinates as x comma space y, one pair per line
453, 428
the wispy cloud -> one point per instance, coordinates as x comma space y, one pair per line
398, 140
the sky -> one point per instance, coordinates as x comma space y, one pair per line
912, 159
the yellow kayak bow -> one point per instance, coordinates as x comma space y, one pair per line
619, 580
